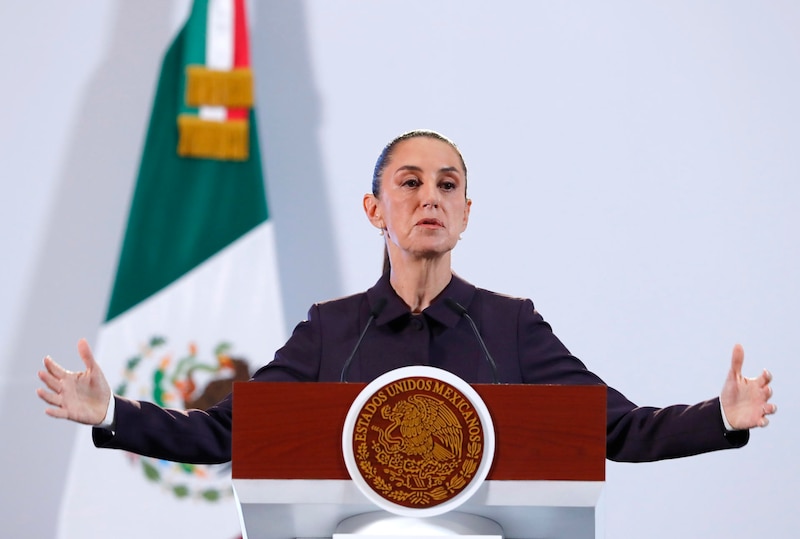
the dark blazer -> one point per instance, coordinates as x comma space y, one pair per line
520, 341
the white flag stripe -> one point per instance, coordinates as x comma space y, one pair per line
219, 48
232, 297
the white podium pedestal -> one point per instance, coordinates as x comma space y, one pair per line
286, 509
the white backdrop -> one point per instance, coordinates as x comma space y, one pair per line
633, 166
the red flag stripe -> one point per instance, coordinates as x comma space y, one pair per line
241, 49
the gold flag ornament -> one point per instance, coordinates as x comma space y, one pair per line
213, 122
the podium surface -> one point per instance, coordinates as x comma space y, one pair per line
546, 480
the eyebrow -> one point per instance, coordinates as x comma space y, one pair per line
415, 168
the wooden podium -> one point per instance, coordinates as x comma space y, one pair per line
290, 479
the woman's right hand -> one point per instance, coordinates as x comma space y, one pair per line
78, 396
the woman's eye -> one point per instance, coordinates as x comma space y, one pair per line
448, 186
412, 182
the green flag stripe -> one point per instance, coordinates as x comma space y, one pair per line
194, 40
184, 210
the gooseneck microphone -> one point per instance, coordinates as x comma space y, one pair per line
376, 310
461, 311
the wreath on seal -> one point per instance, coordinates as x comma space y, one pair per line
185, 382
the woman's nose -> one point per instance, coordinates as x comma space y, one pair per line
430, 196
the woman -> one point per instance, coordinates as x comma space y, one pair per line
415, 315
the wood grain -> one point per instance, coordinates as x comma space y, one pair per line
288, 430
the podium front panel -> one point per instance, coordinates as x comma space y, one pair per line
288, 430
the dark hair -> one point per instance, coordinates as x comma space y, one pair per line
386, 155
388, 151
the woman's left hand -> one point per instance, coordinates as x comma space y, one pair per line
745, 401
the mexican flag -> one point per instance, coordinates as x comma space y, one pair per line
196, 302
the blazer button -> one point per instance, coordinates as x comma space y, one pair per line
417, 324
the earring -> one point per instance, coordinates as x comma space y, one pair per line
380, 233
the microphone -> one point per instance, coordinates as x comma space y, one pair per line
461, 311
376, 310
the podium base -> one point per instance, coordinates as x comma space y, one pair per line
381, 525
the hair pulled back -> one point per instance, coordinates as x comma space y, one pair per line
388, 151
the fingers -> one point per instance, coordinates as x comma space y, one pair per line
50, 381
86, 354
56, 370
57, 412
737, 360
51, 377
767, 409
48, 396
54, 399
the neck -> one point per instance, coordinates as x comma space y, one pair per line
419, 282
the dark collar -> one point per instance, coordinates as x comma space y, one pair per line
457, 289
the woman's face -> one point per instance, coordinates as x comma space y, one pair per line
422, 206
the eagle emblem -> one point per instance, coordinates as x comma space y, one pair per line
427, 434
418, 442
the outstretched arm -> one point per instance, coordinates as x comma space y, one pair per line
78, 396
745, 401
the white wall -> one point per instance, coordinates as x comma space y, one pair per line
76, 96
633, 166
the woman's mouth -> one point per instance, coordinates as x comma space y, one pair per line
430, 223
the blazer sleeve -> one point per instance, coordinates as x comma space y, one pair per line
633, 433
191, 436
